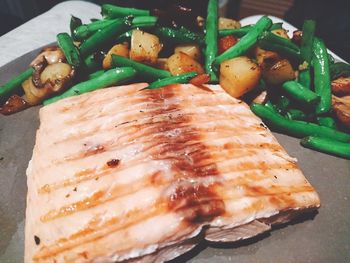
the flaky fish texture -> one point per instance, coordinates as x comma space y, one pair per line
130, 175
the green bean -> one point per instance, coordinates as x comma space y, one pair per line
276, 26
112, 11
322, 79
270, 106
298, 129
327, 146
12, 86
75, 22
339, 69
296, 114
104, 35
125, 37
239, 32
211, 39
141, 69
299, 93
144, 21
304, 77
271, 41
178, 36
282, 104
71, 52
91, 64
307, 40
96, 74
110, 77
246, 42
183, 78
85, 31
327, 122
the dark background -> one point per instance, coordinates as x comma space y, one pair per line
332, 16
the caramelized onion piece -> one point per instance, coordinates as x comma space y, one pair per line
13, 104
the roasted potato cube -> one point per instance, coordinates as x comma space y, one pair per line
120, 50
228, 23
262, 56
162, 63
192, 50
279, 72
144, 47
239, 75
181, 63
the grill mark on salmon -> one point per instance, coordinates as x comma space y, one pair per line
178, 201
92, 232
110, 146
91, 174
86, 116
126, 129
203, 165
229, 148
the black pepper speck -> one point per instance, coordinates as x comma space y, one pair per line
37, 240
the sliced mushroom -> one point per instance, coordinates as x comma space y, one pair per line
52, 55
54, 79
38, 69
13, 104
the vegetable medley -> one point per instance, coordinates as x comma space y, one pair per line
293, 84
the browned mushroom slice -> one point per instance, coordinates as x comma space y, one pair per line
54, 79
38, 69
341, 86
51, 54
13, 104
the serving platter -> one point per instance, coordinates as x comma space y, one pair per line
318, 237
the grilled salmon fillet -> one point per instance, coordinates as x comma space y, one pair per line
130, 175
